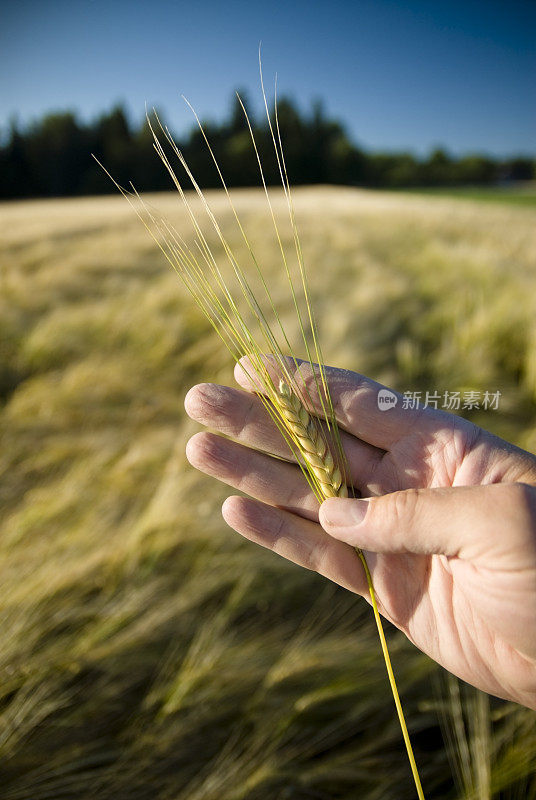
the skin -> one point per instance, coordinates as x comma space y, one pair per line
447, 520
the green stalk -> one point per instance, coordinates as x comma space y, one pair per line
391, 676
214, 295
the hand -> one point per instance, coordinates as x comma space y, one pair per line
448, 529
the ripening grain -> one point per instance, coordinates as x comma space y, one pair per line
146, 651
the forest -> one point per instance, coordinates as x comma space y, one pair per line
52, 157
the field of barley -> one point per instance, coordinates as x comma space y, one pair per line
146, 651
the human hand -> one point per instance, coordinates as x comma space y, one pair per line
449, 528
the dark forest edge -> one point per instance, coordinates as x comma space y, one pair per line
52, 157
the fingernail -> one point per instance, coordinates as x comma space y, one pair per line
342, 513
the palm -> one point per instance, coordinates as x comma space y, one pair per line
421, 593
427, 597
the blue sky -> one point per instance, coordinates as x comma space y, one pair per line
401, 75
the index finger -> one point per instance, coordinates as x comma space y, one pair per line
367, 409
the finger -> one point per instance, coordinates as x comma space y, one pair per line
238, 414
298, 540
243, 416
276, 483
355, 401
477, 523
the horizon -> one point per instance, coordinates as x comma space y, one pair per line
409, 78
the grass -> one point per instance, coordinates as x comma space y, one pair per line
510, 195
148, 652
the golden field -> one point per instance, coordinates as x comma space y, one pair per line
146, 651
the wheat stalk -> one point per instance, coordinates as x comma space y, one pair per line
306, 431
246, 330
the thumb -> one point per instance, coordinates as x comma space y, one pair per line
465, 521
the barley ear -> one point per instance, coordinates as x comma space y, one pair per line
311, 442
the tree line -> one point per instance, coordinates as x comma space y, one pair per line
52, 157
